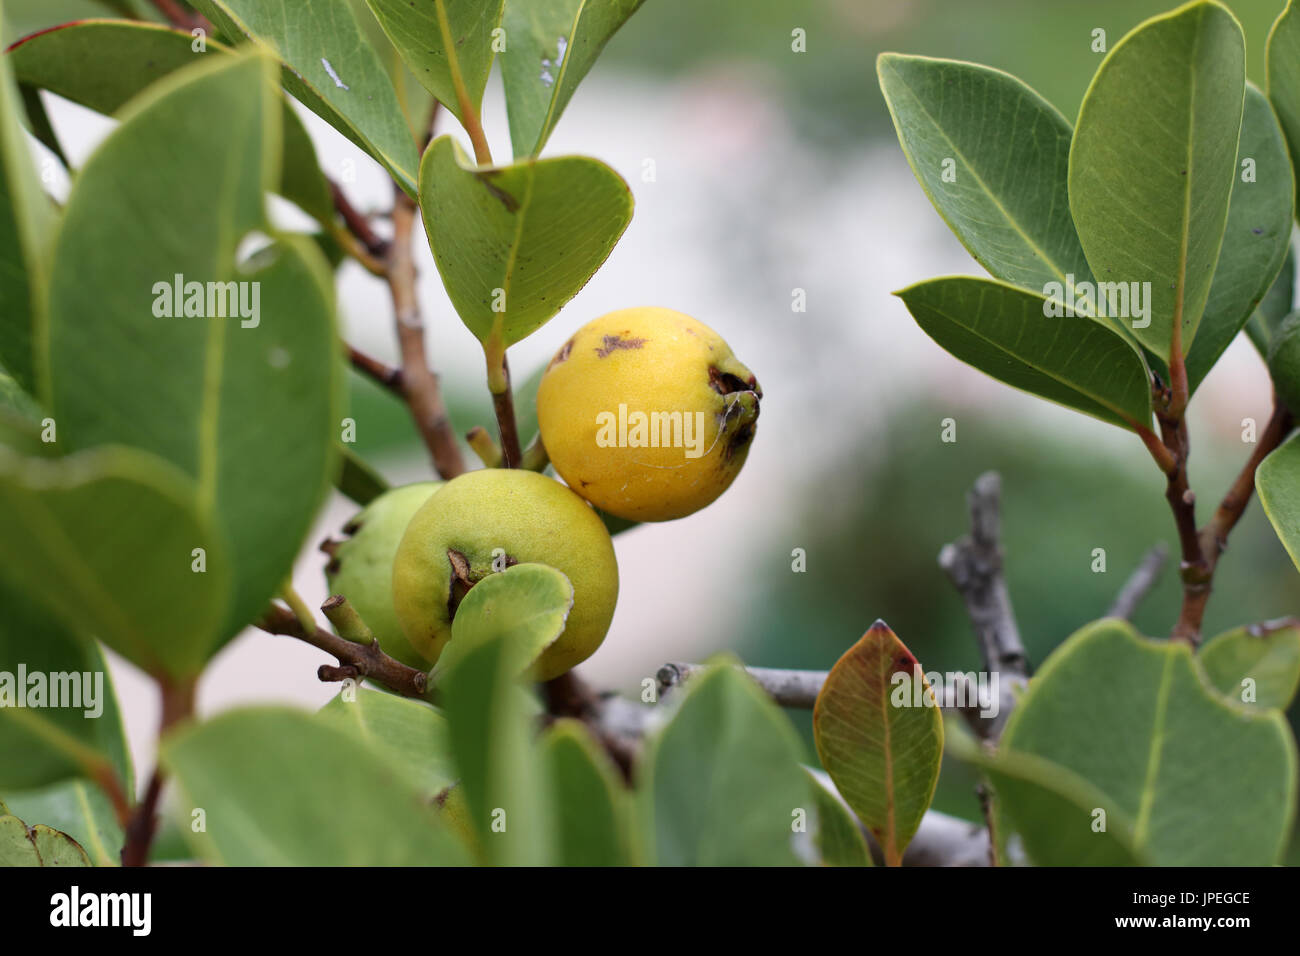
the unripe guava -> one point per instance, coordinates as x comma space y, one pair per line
647, 414
1284, 362
485, 521
361, 566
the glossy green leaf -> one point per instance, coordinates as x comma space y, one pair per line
721, 784
330, 66
880, 737
551, 48
993, 157
1152, 163
505, 780
446, 43
102, 64
525, 605
1003, 331
76, 729
514, 243
1275, 307
278, 787
109, 546
1256, 239
80, 810
37, 846
235, 382
590, 802
838, 838
1052, 810
1278, 482
1257, 666
1193, 779
410, 733
1283, 67
26, 226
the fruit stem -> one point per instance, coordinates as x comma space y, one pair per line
346, 620
535, 455
503, 402
483, 445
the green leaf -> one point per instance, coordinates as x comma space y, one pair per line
1278, 482
1152, 163
1051, 809
1283, 67
1256, 240
1266, 656
78, 809
1009, 152
102, 64
37, 846
1003, 331
526, 605
26, 226
552, 46
410, 733
524, 238
446, 43
109, 545
1274, 308
330, 66
839, 837
1189, 778
504, 779
722, 782
77, 728
591, 805
236, 383
278, 787
880, 738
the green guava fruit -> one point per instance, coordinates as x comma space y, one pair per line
361, 566
485, 521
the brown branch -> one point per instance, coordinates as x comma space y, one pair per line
1139, 583
503, 403
358, 223
420, 385
1202, 547
355, 660
385, 375
570, 696
178, 16
177, 706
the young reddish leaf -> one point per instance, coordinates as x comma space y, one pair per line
880, 737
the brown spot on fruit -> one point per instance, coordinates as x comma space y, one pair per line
612, 343
563, 354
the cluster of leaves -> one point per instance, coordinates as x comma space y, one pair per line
158, 475
1179, 175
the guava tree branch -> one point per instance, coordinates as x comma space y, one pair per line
381, 372
1202, 547
974, 565
789, 688
419, 384
178, 16
1139, 583
356, 661
177, 706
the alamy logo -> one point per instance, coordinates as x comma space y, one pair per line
133, 910
1113, 300
71, 689
208, 300
626, 429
